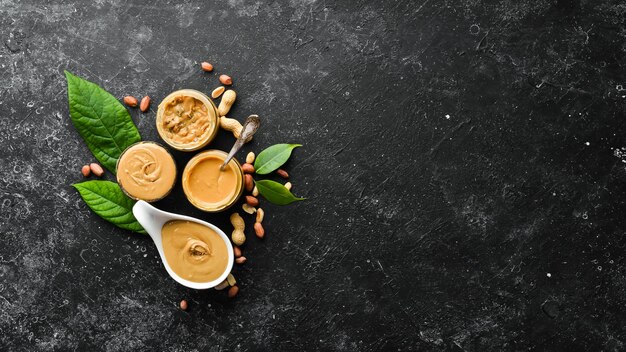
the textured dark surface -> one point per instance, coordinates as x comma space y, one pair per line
464, 163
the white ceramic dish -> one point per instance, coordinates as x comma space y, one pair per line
153, 219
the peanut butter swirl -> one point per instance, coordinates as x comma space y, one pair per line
146, 171
195, 252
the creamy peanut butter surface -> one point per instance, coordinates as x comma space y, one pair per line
195, 252
146, 171
208, 187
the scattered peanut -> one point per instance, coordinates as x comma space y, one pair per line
130, 101
248, 182
288, 186
237, 251
207, 67
240, 260
252, 201
255, 192
86, 170
248, 209
282, 173
145, 104
247, 168
231, 125
232, 292
228, 99
250, 158
259, 230
260, 214
96, 169
222, 285
239, 225
226, 80
231, 280
183, 305
217, 92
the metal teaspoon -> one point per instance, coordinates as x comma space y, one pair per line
250, 126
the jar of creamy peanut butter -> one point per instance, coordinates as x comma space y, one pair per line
187, 120
208, 187
146, 171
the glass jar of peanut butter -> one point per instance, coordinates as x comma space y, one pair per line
208, 187
187, 120
146, 171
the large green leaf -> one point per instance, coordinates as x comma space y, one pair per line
273, 157
102, 121
107, 199
275, 192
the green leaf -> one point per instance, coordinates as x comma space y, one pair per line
273, 157
275, 192
102, 121
107, 199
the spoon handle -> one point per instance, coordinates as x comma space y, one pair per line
250, 126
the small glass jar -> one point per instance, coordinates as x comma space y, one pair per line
146, 171
187, 120
207, 187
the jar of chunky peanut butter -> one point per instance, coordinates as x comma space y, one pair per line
187, 120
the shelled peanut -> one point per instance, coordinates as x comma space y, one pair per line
258, 226
250, 158
145, 104
217, 92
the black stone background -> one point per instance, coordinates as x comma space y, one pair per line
464, 164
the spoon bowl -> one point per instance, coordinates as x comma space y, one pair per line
153, 219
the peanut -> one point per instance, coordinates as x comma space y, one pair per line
248, 209
239, 225
207, 67
96, 169
231, 280
247, 168
226, 80
222, 285
183, 305
282, 173
255, 192
240, 260
145, 104
248, 182
217, 92
228, 99
237, 251
252, 201
288, 186
130, 101
232, 292
260, 214
250, 158
86, 170
231, 125
259, 230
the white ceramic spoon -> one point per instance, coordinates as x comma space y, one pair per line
153, 219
